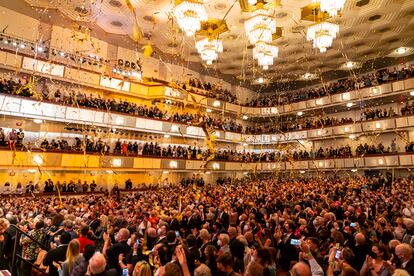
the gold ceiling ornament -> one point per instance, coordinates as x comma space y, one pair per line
212, 27
312, 12
251, 5
189, 15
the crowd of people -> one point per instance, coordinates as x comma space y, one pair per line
208, 89
154, 149
269, 226
371, 79
215, 121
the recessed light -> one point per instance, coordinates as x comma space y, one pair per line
401, 50
349, 64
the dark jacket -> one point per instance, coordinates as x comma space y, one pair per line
55, 255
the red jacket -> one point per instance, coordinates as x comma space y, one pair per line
84, 241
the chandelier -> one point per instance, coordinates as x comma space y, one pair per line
209, 49
322, 35
260, 26
330, 6
189, 14
265, 53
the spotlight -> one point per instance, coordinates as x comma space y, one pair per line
62, 54
354, 170
167, 136
6, 41
352, 136
209, 110
14, 43
245, 117
22, 46
412, 93
300, 113
114, 70
349, 104
39, 49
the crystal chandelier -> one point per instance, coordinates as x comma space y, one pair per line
209, 49
322, 35
265, 53
330, 6
189, 14
260, 26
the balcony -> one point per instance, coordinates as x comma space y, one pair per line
74, 161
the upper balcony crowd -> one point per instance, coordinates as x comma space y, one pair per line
344, 85
10, 86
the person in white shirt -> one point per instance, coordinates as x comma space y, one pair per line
6, 189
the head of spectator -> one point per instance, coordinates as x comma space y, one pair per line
225, 263
142, 268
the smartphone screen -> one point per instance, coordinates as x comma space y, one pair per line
294, 242
338, 254
177, 234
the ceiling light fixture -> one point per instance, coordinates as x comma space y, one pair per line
349, 64
322, 34
264, 53
332, 7
189, 14
209, 49
260, 80
349, 104
401, 50
260, 26
245, 117
300, 113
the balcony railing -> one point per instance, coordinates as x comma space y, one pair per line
77, 161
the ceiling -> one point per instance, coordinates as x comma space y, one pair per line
369, 30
